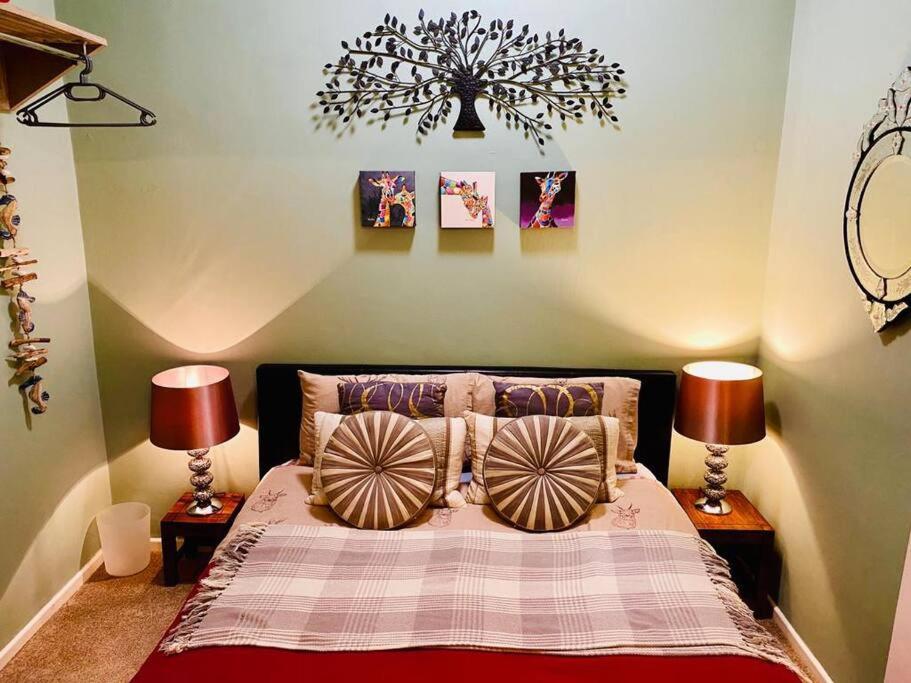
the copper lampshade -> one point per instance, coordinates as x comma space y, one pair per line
721, 403
192, 408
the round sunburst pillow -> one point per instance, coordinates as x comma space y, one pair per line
542, 473
378, 470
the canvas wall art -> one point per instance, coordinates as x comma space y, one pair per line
387, 199
547, 199
467, 199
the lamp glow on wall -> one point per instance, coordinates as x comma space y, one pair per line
193, 409
720, 404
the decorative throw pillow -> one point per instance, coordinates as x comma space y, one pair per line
447, 435
561, 400
542, 473
620, 400
378, 470
326, 424
482, 429
411, 399
320, 392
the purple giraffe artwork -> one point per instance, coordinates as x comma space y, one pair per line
467, 200
387, 199
547, 199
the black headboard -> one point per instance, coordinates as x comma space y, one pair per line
278, 402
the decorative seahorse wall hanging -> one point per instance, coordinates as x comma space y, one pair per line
28, 351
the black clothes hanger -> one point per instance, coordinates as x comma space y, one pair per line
28, 115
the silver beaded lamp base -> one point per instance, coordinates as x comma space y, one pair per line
722, 507
196, 509
713, 502
204, 500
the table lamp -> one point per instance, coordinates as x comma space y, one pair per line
193, 409
721, 405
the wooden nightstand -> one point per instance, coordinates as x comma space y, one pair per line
194, 530
746, 540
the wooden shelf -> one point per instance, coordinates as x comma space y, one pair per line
25, 70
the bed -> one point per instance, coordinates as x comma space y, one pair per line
277, 503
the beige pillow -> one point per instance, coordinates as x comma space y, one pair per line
325, 425
320, 392
603, 431
447, 435
621, 400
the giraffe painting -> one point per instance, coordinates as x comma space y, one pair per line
547, 199
405, 199
467, 200
387, 199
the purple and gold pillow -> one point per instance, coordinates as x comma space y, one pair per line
559, 400
412, 399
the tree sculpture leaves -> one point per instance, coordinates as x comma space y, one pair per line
393, 72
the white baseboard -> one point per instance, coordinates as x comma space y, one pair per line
49, 609
806, 656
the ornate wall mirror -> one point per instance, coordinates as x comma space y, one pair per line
877, 224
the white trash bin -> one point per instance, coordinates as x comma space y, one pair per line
124, 530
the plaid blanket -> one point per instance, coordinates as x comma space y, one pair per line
573, 593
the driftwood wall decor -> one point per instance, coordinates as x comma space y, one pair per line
393, 71
28, 352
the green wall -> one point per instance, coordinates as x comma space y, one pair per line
52, 467
229, 231
835, 476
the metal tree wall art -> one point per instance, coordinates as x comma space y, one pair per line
393, 71
26, 354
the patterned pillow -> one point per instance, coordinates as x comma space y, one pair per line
320, 392
378, 470
621, 400
562, 400
411, 399
542, 473
603, 431
447, 435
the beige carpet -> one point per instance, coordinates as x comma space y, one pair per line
108, 628
105, 631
